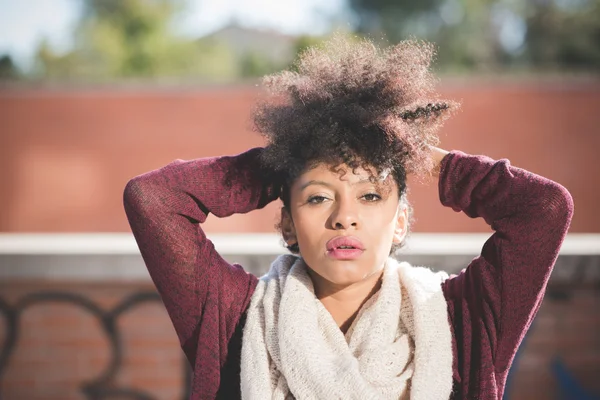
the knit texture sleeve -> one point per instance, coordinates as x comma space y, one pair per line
493, 301
165, 209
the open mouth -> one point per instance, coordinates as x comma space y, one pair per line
345, 253
344, 247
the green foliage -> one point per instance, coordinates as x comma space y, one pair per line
492, 35
124, 39
304, 42
560, 38
8, 70
253, 64
134, 39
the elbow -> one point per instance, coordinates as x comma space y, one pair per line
145, 189
558, 205
132, 191
137, 197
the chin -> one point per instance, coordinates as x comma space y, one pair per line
342, 273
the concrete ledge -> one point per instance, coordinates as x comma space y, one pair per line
257, 244
115, 257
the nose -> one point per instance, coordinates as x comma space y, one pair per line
345, 216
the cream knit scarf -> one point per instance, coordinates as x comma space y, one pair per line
398, 347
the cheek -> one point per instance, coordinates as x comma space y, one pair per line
308, 223
384, 216
381, 227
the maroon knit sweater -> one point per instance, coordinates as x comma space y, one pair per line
490, 304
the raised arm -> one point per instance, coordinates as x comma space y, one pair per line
165, 208
501, 290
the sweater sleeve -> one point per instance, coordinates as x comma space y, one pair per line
166, 208
494, 300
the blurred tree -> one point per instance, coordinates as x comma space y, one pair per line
134, 39
254, 64
304, 42
564, 34
8, 70
491, 34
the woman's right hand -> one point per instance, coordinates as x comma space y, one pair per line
437, 156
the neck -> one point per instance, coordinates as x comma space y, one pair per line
344, 302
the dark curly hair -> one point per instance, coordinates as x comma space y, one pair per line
351, 102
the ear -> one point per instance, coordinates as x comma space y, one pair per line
287, 227
401, 224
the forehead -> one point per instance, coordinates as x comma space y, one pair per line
344, 173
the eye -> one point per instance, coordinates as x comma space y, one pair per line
371, 197
316, 199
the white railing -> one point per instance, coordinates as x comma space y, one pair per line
115, 256
256, 244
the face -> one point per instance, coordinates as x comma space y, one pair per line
344, 222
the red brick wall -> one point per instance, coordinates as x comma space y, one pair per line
66, 155
564, 328
61, 346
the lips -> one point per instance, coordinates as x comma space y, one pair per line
344, 242
344, 248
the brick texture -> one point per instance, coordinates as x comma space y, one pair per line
61, 346
565, 328
67, 155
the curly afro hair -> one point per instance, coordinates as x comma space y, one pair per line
351, 102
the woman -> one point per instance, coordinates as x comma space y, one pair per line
339, 318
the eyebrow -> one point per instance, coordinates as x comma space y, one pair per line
326, 184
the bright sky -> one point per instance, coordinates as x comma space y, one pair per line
23, 23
